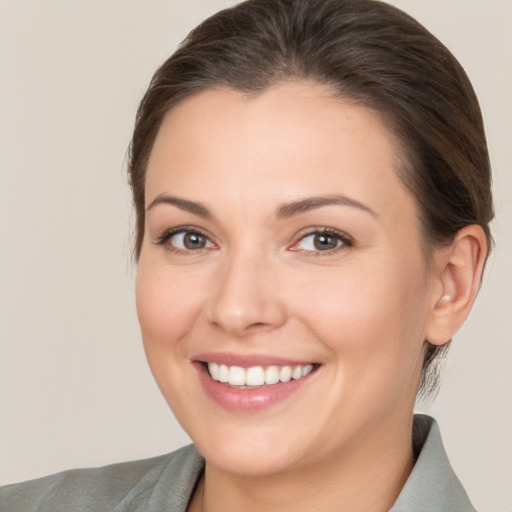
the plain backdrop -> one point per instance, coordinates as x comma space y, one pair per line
74, 386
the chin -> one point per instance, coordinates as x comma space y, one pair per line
250, 458
259, 449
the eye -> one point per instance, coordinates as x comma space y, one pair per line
322, 241
189, 240
185, 240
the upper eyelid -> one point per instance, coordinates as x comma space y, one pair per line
303, 233
323, 230
169, 233
347, 240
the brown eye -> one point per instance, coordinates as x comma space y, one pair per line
189, 241
194, 241
323, 242
320, 242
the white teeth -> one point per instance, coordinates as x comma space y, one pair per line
286, 374
223, 373
307, 369
257, 375
236, 376
272, 375
214, 370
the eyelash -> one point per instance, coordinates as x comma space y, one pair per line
345, 240
167, 235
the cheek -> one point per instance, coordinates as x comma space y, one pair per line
378, 314
373, 330
166, 308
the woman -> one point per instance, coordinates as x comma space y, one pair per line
312, 189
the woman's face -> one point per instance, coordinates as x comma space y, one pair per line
279, 240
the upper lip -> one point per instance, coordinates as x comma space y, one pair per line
248, 360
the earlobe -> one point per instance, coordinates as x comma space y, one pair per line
459, 271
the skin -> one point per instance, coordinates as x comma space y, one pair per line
259, 286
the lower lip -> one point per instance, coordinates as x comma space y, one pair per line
247, 400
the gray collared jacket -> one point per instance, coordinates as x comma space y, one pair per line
166, 483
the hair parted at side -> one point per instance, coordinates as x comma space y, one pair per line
364, 50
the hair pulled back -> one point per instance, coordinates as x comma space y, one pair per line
366, 51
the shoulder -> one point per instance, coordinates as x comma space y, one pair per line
129, 486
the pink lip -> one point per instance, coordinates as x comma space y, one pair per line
247, 400
247, 360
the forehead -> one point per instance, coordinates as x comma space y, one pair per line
295, 138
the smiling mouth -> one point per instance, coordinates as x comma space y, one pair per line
257, 376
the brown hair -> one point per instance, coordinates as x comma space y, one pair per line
364, 50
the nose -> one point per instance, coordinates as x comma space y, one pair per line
247, 297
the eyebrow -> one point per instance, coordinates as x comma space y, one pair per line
188, 206
287, 210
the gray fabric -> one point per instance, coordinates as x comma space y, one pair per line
432, 486
165, 484
159, 484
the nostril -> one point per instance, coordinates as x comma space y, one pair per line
259, 326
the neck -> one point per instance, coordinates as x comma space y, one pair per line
367, 478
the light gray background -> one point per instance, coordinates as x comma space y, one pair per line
74, 386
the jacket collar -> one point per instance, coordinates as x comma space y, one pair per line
432, 485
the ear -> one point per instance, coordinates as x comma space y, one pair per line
458, 271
